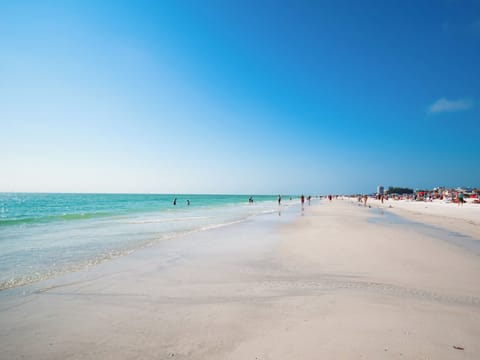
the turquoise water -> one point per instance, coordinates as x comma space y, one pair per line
44, 235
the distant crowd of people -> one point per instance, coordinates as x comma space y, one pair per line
251, 201
458, 197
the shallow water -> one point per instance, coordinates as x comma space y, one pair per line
44, 235
387, 218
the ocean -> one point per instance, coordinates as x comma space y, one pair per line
45, 235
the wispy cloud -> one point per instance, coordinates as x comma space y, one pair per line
444, 105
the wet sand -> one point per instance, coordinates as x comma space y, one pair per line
337, 282
464, 219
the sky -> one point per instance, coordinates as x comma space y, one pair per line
239, 97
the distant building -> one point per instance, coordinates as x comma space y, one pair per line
380, 190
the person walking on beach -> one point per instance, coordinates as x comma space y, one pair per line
279, 200
250, 200
460, 199
309, 198
302, 200
365, 198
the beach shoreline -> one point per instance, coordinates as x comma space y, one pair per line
44, 236
323, 283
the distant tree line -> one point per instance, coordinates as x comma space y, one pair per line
398, 190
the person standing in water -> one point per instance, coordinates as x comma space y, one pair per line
279, 200
174, 201
188, 202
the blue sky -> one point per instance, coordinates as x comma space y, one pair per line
238, 97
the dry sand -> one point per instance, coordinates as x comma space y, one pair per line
336, 283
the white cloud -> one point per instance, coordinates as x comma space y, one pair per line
445, 105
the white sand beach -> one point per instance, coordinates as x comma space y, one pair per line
340, 282
465, 218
